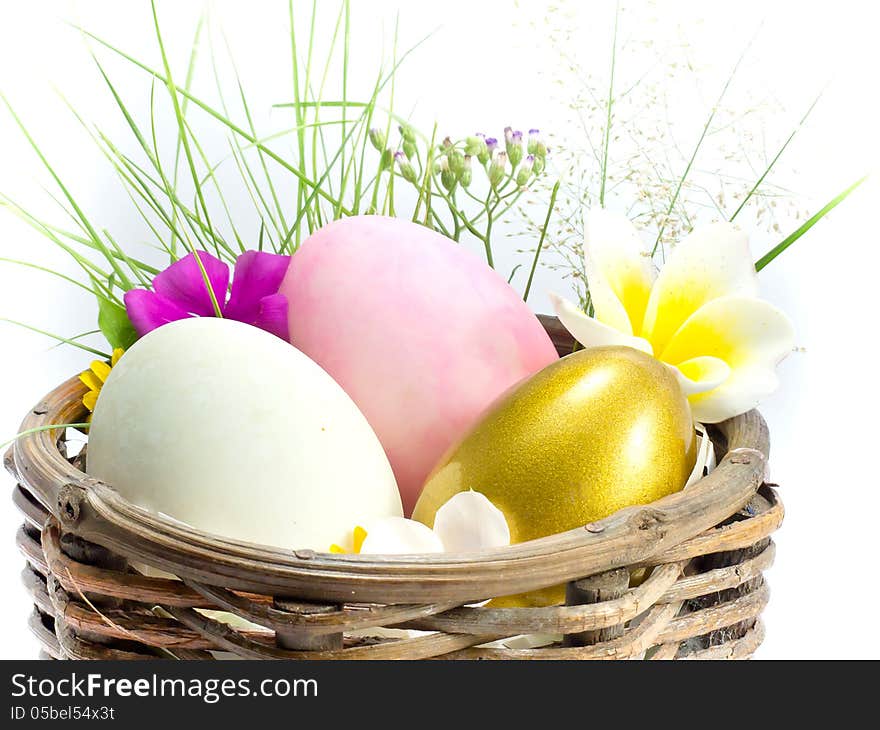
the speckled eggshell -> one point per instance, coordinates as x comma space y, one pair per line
231, 430
419, 331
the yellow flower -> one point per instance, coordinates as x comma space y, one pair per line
95, 377
700, 315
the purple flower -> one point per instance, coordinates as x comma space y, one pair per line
491, 144
181, 291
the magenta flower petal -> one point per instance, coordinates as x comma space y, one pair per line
257, 275
272, 316
148, 310
183, 283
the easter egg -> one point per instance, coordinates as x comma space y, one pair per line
598, 430
229, 429
419, 331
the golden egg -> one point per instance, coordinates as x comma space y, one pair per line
596, 431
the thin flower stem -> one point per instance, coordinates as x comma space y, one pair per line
553, 194
425, 187
706, 126
776, 157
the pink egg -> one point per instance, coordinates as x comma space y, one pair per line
420, 332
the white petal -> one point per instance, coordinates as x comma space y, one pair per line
705, 456
524, 641
619, 272
712, 262
742, 391
590, 332
700, 374
400, 536
470, 522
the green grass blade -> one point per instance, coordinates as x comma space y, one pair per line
30, 265
300, 138
127, 282
78, 213
256, 196
40, 429
87, 265
279, 210
53, 232
184, 136
59, 338
184, 106
217, 237
119, 162
208, 109
790, 239
346, 45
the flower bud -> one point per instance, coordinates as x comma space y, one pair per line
409, 149
513, 143
447, 179
407, 171
466, 175
491, 144
377, 138
525, 170
407, 133
497, 168
443, 167
536, 144
456, 162
475, 144
539, 165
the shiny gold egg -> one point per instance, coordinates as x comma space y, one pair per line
599, 430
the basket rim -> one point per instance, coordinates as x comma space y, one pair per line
96, 512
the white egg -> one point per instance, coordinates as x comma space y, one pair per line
232, 430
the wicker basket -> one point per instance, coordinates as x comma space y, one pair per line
706, 548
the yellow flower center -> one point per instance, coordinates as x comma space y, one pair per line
358, 536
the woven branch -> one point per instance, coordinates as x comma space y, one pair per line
705, 550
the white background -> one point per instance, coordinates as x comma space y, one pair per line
481, 70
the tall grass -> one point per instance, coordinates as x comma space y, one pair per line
328, 155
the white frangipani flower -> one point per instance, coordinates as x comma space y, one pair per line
700, 315
467, 522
